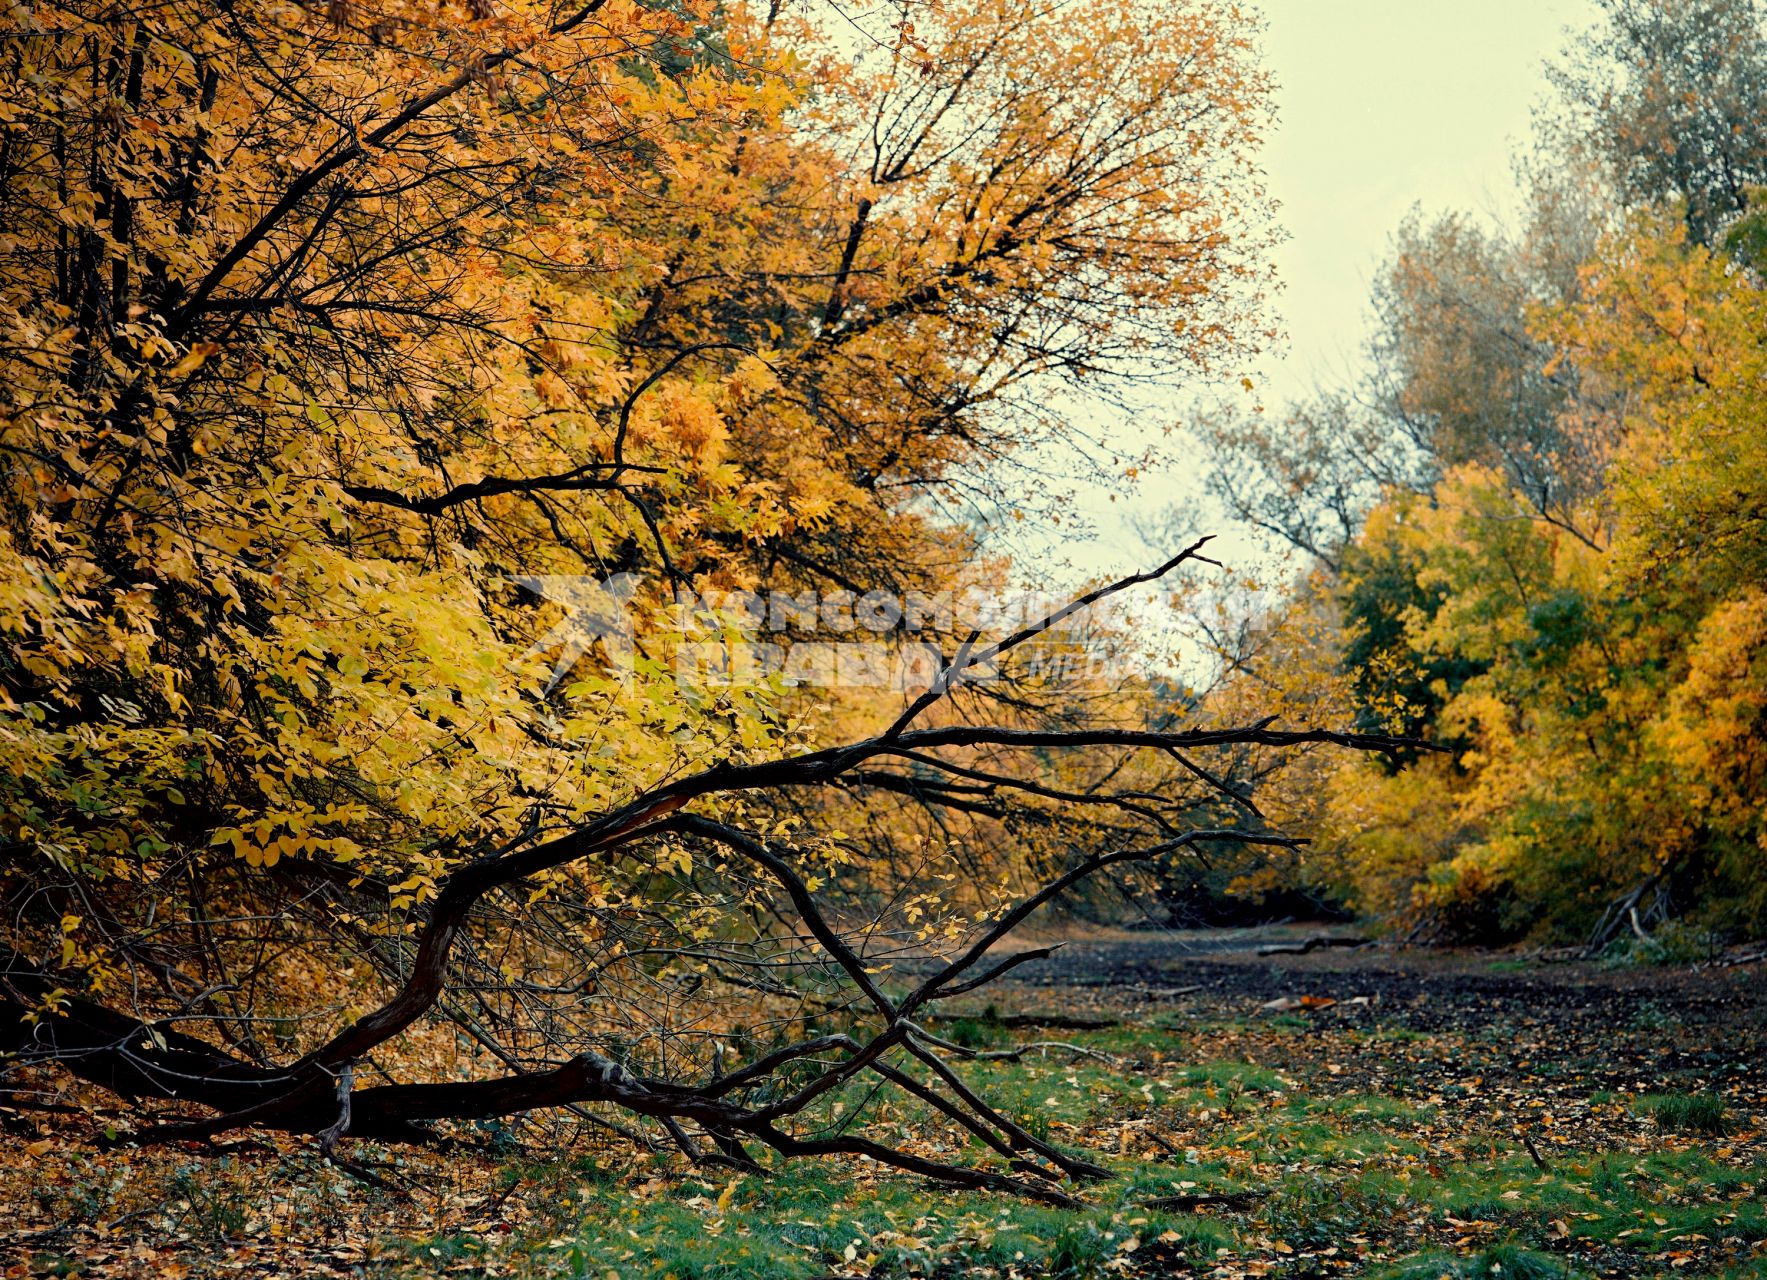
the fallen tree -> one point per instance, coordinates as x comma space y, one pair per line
383, 382
723, 1115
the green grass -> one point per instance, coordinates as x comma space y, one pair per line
1422, 1175
1703, 1113
1324, 1171
814, 1221
1331, 1138
1378, 1107
1505, 1261
1240, 1076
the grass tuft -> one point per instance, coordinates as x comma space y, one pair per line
1506, 1261
1703, 1113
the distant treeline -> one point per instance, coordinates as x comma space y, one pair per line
1537, 532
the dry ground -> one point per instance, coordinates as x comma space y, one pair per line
1408, 1114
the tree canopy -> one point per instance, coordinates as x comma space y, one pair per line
335, 341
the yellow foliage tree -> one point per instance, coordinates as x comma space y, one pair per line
324, 333
1606, 693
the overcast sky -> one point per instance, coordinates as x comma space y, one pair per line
1382, 105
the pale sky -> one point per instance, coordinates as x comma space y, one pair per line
1382, 105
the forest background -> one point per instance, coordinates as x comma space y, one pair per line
329, 335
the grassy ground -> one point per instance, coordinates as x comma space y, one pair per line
1463, 1120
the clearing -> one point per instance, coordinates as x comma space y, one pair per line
1408, 1114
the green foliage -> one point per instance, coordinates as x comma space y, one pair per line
1686, 1112
1674, 943
1398, 690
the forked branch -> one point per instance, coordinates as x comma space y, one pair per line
761, 1102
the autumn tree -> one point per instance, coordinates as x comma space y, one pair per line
326, 332
1667, 95
1532, 527
1598, 695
